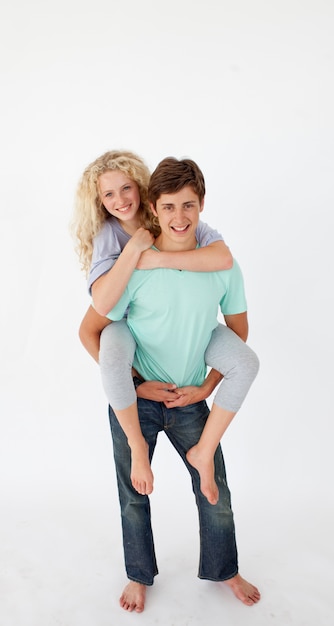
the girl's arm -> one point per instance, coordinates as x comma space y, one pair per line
108, 288
212, 258
212, 255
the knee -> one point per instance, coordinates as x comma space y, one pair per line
244, 366
247, 368
252, 363
116, 345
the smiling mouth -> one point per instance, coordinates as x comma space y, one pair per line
124, 208
180, 229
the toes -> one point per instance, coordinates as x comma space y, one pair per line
139, 486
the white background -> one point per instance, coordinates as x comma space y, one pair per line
245, 89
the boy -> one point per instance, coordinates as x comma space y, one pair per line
172, 315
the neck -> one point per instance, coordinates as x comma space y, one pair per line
131, 226
166, 245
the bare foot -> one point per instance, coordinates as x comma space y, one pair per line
133, 597
206, 470
141, 473
244, 591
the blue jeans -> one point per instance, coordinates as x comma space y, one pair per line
183, 427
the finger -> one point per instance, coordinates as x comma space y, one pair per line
169, 386
170, 396
175, 403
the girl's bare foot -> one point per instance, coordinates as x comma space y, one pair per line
141, 473
206, 470
244, 591
133, 597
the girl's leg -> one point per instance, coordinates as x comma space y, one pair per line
239, 365
117, 348
201, 456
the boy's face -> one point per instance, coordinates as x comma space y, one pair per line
178, 215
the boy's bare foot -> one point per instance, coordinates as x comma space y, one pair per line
244, 591
206, 470
133, 597
141, 473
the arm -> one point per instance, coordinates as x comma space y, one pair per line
239, 324
109, 287
214, 257
90, 330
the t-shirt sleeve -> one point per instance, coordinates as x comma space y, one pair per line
206, 235
106, 250
234, 299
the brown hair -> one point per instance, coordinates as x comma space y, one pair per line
171, 175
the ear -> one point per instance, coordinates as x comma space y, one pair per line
152, 207
201, 206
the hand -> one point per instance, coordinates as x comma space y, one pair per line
187, 395
141, 240
157, 391
148, 260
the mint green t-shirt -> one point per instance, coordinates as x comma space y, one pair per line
171, 316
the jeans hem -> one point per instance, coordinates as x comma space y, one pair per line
141, 582
218, 580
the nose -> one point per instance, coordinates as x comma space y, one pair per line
179, 215
120, 197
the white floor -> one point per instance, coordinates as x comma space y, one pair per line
61, 557
61, 564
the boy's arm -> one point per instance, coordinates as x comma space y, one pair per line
239, 324
108, 288
212, 258
90, 330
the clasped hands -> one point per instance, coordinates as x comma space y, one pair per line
171, 395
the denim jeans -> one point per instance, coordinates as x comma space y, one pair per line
183, 427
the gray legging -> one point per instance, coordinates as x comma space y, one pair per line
226, 353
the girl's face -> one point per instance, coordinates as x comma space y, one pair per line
120, 195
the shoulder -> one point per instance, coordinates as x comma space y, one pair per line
106, 240
108, 229
206, 235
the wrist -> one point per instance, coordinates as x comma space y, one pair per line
206, 389
210, 383
132, 249
203, 393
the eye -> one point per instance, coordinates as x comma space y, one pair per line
127, 187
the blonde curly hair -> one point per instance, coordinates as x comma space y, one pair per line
89, 213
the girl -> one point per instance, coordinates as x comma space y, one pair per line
115, 229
